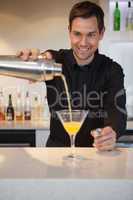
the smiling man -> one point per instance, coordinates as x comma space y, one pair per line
95, 82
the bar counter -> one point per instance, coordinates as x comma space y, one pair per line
41, 131
45, 173
25, 130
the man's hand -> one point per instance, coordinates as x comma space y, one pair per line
105, 140
33, 54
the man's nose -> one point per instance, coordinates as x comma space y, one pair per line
83, 41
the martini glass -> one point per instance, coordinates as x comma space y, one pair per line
72, 122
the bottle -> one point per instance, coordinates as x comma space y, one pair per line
36, 109
19, 108
27, 107
2, 106
117, 17
129, 17
10, 109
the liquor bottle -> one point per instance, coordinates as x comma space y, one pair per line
117, 17
10, 109
2, 106
129, 17
36, 109
27, 107
19, 108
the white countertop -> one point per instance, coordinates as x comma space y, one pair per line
28, 172
44, 162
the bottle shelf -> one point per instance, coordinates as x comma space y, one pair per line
123, 35
120, 36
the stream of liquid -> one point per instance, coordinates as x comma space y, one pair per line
68, 96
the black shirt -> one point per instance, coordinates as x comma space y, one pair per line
97, 87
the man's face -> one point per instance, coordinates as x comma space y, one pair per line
84, 37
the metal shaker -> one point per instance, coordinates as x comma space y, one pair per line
39, 70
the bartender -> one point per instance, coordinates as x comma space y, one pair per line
95, 83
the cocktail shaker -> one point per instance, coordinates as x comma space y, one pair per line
39, 70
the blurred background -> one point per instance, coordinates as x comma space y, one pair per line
44, 24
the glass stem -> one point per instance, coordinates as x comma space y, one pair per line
72, 143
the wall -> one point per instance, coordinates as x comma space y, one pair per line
42, 24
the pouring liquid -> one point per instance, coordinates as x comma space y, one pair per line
68, 96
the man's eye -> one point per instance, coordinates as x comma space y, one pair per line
77, 34
91, 35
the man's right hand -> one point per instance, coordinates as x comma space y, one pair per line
33, 54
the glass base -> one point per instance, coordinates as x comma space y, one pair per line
74, 157
80, 162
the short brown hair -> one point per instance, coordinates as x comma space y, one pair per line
85, 10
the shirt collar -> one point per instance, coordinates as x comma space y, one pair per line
83, 67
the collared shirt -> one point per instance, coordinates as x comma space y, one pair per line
97, 87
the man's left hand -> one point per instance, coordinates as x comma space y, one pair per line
105, 140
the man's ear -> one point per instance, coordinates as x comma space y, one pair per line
69, 29
102, 33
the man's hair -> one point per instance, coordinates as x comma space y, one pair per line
85, 10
